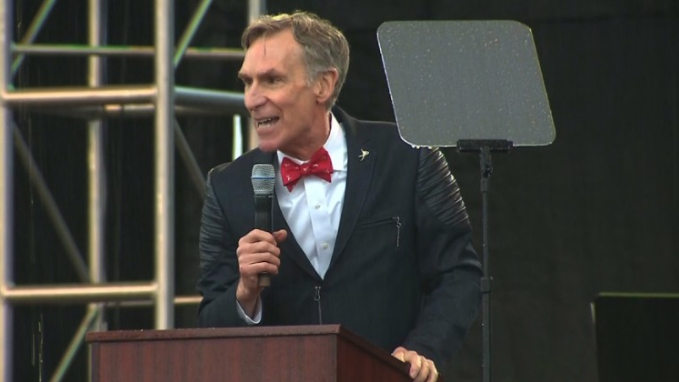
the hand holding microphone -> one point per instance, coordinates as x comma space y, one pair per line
259, 248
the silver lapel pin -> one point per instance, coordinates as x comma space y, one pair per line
364, 153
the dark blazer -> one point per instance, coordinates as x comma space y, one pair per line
403, 271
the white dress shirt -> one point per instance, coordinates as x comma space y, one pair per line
313, 208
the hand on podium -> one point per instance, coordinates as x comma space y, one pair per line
421, 368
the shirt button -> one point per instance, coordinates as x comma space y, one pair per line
325, 245
317, 206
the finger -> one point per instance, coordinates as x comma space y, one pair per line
257, 235
415, 362
427, 372
256, 252
411, 357
254, 269
433, 373
419, 370
251, 264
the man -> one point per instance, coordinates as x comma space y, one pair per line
378, 240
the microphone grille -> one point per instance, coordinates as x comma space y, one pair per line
263, 179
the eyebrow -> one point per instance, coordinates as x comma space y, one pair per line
267, 73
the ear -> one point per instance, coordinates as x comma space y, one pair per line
325, 85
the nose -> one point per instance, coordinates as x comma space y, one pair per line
254, 97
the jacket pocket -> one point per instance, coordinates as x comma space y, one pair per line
382, 224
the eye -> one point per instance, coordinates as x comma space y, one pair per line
274, 80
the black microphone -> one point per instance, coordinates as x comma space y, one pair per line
263, 180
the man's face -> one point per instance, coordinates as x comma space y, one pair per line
286, 110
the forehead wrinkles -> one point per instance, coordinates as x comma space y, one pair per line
254, 56
264, 44
271, 51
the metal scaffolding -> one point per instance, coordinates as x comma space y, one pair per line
95, 103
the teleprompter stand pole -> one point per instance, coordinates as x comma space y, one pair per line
484, 147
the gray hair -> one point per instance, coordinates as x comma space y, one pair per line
324, 46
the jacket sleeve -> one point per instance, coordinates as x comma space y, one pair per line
218, 266
450, 269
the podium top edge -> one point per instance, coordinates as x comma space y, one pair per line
202, 333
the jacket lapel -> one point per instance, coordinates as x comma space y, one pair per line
361, 162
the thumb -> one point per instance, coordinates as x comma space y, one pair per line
399, 353
280, 236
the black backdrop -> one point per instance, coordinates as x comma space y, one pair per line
596, 211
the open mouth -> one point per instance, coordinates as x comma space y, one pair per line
266, 122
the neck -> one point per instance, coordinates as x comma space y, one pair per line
319, 135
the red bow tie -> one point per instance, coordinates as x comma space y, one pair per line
319, 165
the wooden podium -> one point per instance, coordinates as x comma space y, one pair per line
320, 353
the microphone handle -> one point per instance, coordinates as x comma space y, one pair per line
263, 222
263, 280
